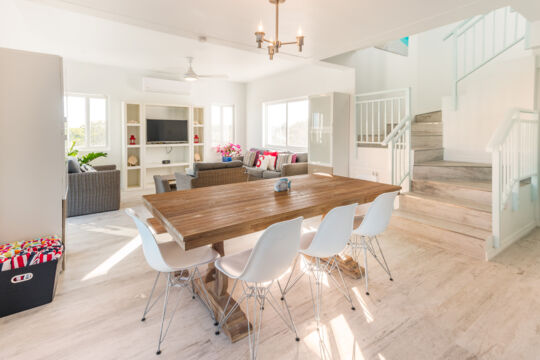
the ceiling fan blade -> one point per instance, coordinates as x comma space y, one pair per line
216, 76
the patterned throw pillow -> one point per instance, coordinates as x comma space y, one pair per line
283, 159
272, 160
249, 158
262, 162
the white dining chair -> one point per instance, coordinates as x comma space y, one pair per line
257, 269
169, 258
374, 223
319, 250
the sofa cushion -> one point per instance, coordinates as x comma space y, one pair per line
216, 165
73, 165
87, 168
301, 157
282, 160
250, 157
253, 171
268, 174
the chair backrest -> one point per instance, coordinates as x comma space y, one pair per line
378, 215
333, 233
150, 247
162, 185
274, 252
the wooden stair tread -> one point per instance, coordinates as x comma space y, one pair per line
446, 163
445, 224
482, 185
464, 203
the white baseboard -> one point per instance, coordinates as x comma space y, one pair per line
491, 252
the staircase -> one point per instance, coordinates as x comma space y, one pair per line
450, 202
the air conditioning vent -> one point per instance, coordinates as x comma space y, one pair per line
155, 85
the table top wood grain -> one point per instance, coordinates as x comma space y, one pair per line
209, 215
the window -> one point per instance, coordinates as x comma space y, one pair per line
87, 120
222, 128
287, 124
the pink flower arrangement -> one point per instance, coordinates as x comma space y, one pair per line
229, 149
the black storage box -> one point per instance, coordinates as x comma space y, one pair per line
27, 287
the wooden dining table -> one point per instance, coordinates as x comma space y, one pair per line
211, 215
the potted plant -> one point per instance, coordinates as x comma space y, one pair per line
85, 159
229, 151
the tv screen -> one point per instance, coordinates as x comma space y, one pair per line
166, 130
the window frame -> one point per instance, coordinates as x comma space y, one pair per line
287, 147
221, 107
87, 97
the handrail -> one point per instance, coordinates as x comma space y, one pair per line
382, 92
397, 129
482, 38
502, 131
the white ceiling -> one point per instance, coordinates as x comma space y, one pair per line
157, 34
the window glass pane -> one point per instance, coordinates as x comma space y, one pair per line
276, 124
76, 117
215, 129
98, 122
227, 123
298, 124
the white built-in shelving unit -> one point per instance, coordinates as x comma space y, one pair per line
150, 156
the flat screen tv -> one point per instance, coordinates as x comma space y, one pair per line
166, 131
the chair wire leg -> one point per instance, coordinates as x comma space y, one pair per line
286, 288
315, 273
366, 276
146, 309
225, 315
387, 268
206, 301
164, 312
253, 295
345, 287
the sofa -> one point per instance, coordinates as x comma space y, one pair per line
92, 192
300, 167
209, 174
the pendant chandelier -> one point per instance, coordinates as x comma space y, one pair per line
274, 45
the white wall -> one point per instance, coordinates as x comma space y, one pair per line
308, 80
426, 70
485, 98
126, 85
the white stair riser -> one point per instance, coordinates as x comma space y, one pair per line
467, 173
451, 191
448, 240
447, 211
420, 141
429, 117
428, 155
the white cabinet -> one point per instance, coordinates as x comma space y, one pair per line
329, 121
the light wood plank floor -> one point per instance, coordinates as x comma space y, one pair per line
440, 306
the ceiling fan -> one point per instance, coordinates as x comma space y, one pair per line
191, 75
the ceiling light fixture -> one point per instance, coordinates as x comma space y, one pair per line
274, 45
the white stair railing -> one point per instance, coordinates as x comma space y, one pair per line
482, 38
379, 113
514, 148
399, 146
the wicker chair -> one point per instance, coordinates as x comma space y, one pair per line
93, 192
209, 174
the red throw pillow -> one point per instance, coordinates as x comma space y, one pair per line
274, 154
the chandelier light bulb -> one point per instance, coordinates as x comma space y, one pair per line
274, 45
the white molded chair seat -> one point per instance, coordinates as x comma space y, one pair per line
372, 224
233, 265
256, 269
166, 256
178, 259
322, 246
306, 239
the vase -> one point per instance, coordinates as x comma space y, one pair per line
226, 158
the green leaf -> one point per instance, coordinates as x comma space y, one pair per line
88, 158
72, 151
